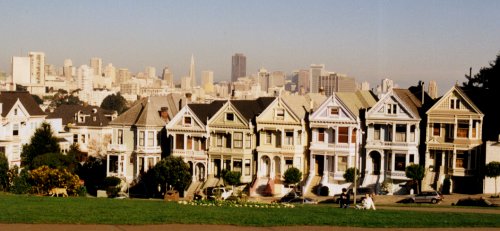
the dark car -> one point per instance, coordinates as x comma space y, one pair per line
360, 194
302, 200
427, 197
288, 197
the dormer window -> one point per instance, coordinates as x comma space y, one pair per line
187, 121
81, 119
280, 113
334, 111
229, 117
454, 103
391, 109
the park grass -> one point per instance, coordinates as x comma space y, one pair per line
77, 210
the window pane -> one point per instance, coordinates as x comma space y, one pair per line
179, 141
400, 162
151, 138
343, 134
342, 163
321, 135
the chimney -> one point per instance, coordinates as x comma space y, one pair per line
164, 113
321, 90
423, 93
188, 97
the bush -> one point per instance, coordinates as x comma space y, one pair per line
324, 191
4, 169
53, 160
349, 174
93, 172
292, 175
44, 178
112, 186
20, 182
82, 191
232, 177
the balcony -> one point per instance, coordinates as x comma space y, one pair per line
224, 150
343, 147
117, 148
461, 172
282, 149
397, 175
189, 153
148, 149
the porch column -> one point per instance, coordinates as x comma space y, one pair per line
393, 132
470, 128
336, 136
137, 165
259, 172
325, 166
349, 136
335, 163
107, 164
454, 164
382, 162
393, 159
455, 126
311, 164
408, 126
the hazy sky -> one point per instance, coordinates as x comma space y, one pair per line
370, 40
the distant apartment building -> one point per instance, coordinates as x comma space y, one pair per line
238, 67
303, 82
84, 78
263, 78
68, 69
96, 65
21, 70
207, 81
336, 83
433, 89
150, 72
192, 73
365, 86
277, 79
186, 83
110, 72
168, 77
315, 72
37, 67
123, 75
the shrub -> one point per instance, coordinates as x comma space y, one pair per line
82, 191
4, 169
232, 177
20, 182
324, 191
112, 186
292, 175
44, 178
93, 172
349, 174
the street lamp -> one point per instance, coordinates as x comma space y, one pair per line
356, 149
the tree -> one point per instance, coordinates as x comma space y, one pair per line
232, 178
481, 88
63, 97
172, 171
416, 173
292, 175
93, 173
492, 170
4, 170
41, 142
114, 102
349, 174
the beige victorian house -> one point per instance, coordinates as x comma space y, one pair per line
335, 142
392, 141
282, 131
453, 143
232, 138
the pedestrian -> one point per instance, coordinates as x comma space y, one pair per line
344, 199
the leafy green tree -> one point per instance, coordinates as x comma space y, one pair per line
349, 174
416, 173
63, 97
56, 161
481, 88
232, 178
172, 171
93, 173
4, 170
42, 142
114, 102
20, 182
492, 170
292, 175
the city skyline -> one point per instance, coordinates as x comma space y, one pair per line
404, 41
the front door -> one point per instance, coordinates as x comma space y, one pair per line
217, 167
318, 164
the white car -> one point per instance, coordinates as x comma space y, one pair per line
223, 192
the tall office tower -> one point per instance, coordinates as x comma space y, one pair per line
365, 86
37, 67
192, 72
336, 83
96, 65
110, 72
186, 83
433, 90
315, 72
50, 69
387, 84
263, 77
68, 69
277, 79
84, 78
303, 81
123, 75
238, 67
150, 72
207, 78
168, 77
21, 70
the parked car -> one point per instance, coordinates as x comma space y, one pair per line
427, 197
360, 194
302, 200
288, 197
218, 192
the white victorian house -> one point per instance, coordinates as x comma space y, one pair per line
282, 132
392, 141
453, 143
336, 136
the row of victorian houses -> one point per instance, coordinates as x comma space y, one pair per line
321, 136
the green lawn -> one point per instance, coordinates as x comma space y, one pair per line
74, 210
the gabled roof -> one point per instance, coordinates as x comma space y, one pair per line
300, 105
462, 94
205, 111
355, 101
146, 112
251, 108
411, 102
67, 114
9, 98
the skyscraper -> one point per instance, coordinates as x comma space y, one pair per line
37, 67
303, 81
207, 81
68, 69
263, 77
315, 73
110, 71
150, 72
238, 67
168, 77
433, 90
84, 79
192, 72
21, 70
96, 65
336, 83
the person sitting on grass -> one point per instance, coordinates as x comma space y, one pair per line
344, 199
367, 203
